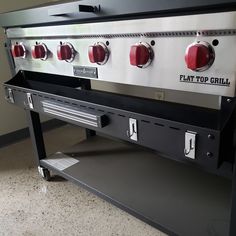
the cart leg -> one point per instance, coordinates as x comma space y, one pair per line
37, 141
36, 135
233, 205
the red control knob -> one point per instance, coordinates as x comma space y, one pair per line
199, 56
39, 51
98, 53
141, 55
65, 52
18, 50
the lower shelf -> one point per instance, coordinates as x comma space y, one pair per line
177, 199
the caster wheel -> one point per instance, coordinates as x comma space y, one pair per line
45, 173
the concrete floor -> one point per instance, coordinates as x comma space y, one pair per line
31, 206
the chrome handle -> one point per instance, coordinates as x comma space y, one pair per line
63, 11
87, 8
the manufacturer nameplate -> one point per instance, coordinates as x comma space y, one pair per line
82, 71
205, 80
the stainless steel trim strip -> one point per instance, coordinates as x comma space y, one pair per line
70, 111
167, 34
74, 118
164, 34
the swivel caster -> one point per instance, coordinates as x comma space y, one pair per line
45, 173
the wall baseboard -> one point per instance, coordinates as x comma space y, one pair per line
13, 137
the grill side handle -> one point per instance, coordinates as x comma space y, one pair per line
67, 10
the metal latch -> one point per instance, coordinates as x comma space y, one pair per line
190, 144
132, 133
30, 101
9, 95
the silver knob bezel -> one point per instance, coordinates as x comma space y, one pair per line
24, 50
46, 51
212, 55
73, 52
107, 53
151, 54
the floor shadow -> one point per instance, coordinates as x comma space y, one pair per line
57, 178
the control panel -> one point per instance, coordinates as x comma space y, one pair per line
188, 53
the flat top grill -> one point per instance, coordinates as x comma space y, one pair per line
59, 53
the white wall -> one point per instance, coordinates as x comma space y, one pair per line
11, 117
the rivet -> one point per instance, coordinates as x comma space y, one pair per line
209, 154
211, 136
